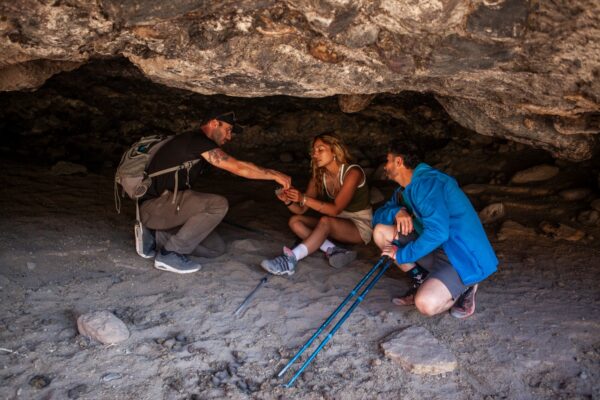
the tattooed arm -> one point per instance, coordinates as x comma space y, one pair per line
222, 160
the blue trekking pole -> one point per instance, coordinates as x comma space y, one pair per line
332, 316
360, 298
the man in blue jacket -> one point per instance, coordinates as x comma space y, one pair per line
431, 230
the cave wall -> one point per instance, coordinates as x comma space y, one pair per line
525, 70
92, 114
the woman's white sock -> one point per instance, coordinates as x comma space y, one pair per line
326, 246
300, 251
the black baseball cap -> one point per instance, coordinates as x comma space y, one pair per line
229, 117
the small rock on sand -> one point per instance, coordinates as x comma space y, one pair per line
416, 350
512, 230
39, 381
102, 326
535, 174
492, 212
561, 231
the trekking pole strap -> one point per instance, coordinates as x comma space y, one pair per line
342, 320
332, 316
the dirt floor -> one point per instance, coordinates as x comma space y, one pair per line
64, 251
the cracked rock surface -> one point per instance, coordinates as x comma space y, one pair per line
523, 70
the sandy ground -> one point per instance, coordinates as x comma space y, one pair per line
64, 251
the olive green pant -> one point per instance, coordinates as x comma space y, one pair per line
182, 226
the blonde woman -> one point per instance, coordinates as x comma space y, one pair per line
337, 190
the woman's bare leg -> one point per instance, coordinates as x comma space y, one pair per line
340, 229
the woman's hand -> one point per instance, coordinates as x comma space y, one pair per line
294, 195
280, 193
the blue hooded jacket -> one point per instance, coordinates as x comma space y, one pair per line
443, 216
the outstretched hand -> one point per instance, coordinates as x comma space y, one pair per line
283, 179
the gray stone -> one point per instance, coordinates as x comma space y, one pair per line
514, 230
417, 351
492, 213
560, 231
535, 174
111, 376
575, 194
102, 326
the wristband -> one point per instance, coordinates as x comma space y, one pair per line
303, 201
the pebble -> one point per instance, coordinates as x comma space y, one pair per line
30, 265
102, 326
535, 174
77, 391
39, 381
111, 376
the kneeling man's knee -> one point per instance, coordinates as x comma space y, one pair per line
427, 305
380, 233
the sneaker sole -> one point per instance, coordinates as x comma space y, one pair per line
338, 261
461, 315
164, 267
277, 273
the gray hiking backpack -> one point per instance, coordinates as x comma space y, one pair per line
131, 173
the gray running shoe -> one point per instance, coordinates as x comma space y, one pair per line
284, 264
145, 245
339, 257
465, 305
175, 262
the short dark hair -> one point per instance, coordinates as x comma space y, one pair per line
409, 151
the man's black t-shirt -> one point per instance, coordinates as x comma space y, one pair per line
184, 147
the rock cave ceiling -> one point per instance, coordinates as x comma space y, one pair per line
525, 70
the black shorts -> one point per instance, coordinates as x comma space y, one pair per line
438, 265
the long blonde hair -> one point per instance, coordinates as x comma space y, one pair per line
338, 148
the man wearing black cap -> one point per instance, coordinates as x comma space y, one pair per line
181, 218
